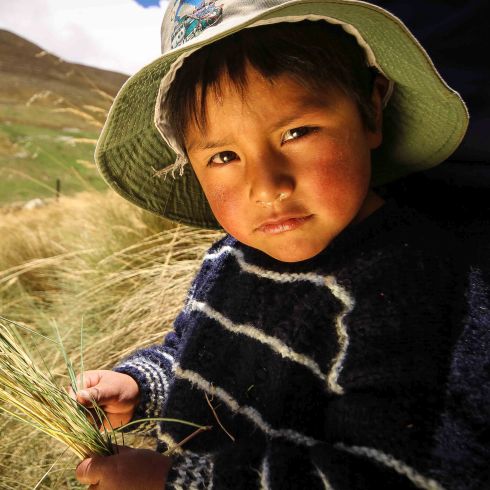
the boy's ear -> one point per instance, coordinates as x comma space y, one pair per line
380, 88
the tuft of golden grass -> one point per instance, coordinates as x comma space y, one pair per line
31, 395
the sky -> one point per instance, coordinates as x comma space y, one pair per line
118, 35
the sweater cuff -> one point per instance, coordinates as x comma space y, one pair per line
190, 471
152, 390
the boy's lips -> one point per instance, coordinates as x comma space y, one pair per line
282, 224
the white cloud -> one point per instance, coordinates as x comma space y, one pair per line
117, 35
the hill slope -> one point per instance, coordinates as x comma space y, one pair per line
26, 69
51, 113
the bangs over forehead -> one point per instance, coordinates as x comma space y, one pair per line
315, 54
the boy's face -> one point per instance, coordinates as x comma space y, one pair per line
284, 170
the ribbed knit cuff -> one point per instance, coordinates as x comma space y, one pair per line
152, 385
190, 471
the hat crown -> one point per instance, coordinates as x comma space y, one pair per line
186, 20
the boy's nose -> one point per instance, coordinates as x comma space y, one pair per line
270, 202
270, 180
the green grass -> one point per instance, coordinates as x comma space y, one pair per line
33, 156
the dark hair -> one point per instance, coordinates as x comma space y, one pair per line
316, 54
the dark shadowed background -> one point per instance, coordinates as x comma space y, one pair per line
457, 193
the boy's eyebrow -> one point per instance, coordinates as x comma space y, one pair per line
208, 145
305, 105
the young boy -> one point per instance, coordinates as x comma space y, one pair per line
324, 329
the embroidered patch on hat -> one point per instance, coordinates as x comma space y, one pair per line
192, 17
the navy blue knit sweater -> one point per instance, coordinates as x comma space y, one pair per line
365, 367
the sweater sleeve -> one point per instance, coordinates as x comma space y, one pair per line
152, 370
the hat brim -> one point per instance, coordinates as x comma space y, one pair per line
424, 121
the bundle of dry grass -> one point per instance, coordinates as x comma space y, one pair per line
36, 398
31, 395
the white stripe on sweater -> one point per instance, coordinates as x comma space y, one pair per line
264, 474
168, 440
326, 484
249, 412
172, 445
250, 331
347, 301
168, 357
400, 467
160, 378
264, 273
324, 281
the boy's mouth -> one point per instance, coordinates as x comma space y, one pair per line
282, 224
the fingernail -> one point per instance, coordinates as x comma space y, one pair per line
84, 394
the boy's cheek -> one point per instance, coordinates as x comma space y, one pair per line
217, 195
226, 206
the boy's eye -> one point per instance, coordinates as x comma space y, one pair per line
295, 133
223, 157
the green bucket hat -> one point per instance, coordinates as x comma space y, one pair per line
137, 155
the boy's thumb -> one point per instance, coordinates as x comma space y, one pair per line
90, 394
87, 471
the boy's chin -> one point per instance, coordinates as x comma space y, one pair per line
293, 252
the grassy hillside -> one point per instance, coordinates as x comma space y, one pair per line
51, 113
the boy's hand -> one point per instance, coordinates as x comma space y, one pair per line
116, 393
131, 469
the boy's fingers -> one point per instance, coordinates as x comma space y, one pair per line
92, 470
89, 395
97, 389
88, 471
87, 388
88, 379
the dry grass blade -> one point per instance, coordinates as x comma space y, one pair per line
77, 112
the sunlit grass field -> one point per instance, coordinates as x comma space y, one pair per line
90, 263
